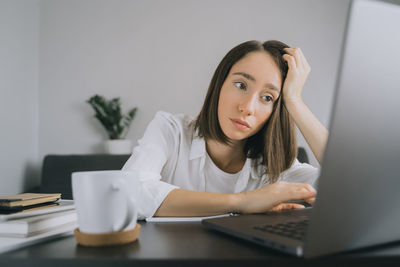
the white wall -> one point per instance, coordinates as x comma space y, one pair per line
160, 55
154, 54
19, 35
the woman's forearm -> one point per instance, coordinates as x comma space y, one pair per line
312, 129
180, 203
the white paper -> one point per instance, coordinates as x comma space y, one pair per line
185, 219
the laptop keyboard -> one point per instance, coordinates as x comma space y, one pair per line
295, 230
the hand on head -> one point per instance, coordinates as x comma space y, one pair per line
297, 74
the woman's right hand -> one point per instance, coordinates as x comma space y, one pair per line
275, 197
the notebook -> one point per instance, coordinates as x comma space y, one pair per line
21, 201
357, 203
61, 205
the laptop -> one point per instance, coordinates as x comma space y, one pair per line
358, 199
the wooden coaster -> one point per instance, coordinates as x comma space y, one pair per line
107, 239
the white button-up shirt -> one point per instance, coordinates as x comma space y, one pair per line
171, 155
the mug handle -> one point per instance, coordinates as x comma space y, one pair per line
130, 218
131, 213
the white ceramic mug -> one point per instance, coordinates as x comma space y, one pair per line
105, 200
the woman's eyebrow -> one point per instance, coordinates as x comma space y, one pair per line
251, 78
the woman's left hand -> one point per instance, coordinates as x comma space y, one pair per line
296, 76
312, 129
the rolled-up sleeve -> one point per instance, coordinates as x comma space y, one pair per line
149, 157
301, 173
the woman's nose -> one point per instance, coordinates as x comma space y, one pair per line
248, 105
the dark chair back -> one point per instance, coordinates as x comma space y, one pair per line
302, 155
57, 170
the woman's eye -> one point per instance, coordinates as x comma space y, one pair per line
267, 98
240, 85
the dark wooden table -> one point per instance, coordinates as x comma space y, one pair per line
185, 244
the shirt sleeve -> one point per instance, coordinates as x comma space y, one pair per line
149, 157
301, 173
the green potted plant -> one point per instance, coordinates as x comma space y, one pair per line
116, 124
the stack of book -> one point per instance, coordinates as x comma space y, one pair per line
26, 201
29, 218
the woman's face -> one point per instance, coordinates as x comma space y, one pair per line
248, 94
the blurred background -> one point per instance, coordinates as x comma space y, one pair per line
153, 54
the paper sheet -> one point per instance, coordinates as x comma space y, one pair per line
185, 219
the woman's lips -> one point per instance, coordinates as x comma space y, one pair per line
241, 125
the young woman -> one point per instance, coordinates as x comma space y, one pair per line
239, 154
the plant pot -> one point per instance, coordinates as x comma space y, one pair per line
118, 146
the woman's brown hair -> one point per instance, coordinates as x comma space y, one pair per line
275, 144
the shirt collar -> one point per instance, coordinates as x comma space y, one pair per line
250, 169
257, 170
198, 150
